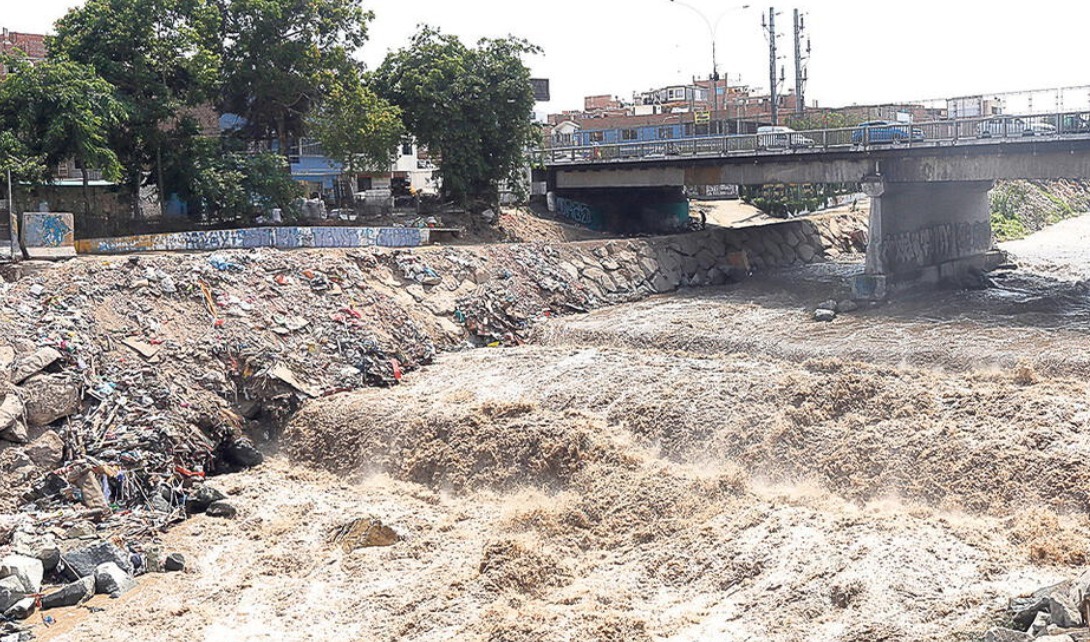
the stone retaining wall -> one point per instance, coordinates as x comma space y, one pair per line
621, 268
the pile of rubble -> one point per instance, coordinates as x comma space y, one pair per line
1057, 613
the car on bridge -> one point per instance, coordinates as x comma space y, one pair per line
779, 137
877, 132
1013, 126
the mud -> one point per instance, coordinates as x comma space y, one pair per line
710, 464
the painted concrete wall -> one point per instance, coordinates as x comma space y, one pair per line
48, 235
279, 237
917, 230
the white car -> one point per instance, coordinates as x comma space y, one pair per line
779, 137
1013, 126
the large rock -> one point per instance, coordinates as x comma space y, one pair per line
242, 452
82, 562
202, 497
174, 562
1006, 635
221, 509
28, 570
70, 594
1062, 611
21, 610
12, 427
32, 364
50, 397
110, 579
46, 451
11, 591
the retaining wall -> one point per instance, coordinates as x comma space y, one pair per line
284, 238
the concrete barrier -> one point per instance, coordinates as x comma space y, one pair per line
48, 235
285, 238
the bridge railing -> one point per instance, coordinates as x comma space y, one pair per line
976, 130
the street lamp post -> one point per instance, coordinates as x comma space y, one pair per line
713, 28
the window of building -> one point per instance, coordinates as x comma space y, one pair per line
597, 137
628, 134
676, 94
666, 132
406, 149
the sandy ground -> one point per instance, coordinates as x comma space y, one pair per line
705, 465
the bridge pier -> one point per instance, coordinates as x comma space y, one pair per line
925, 233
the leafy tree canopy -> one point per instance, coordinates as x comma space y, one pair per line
61, 111
281, 55
355, 127
471, 106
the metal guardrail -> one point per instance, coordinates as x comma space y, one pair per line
867, 136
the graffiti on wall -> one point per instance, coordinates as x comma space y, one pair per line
285, 238
579, 213
936, 244
48, 234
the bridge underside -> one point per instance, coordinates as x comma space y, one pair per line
625, 210
930, 219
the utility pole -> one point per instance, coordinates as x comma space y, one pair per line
772, 81
800, 66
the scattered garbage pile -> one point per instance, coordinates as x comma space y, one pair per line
1057, 613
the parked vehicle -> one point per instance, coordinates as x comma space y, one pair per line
1013, 126
779, 137
878, 132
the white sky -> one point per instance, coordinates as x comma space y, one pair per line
863, 51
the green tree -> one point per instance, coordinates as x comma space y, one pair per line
220, 178
160, 55
15, 157
280, 57
470, 106
62, 111
355, 127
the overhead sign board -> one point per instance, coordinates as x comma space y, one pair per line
541, 89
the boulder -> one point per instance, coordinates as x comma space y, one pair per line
221, 509
1006, 635
1025, 610
847, 305
1040, 624
50, 557
824, 315
242, 452
805, 252
827, 305
34, 363
50, 397
174, 562
46, 451
110, 579
21, 610
202, 497
12, 427
11, 591
82, 562
28, 570
1062, 611
70, 594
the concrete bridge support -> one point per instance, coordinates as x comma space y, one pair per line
926, 233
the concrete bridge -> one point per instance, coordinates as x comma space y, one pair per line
930, 216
